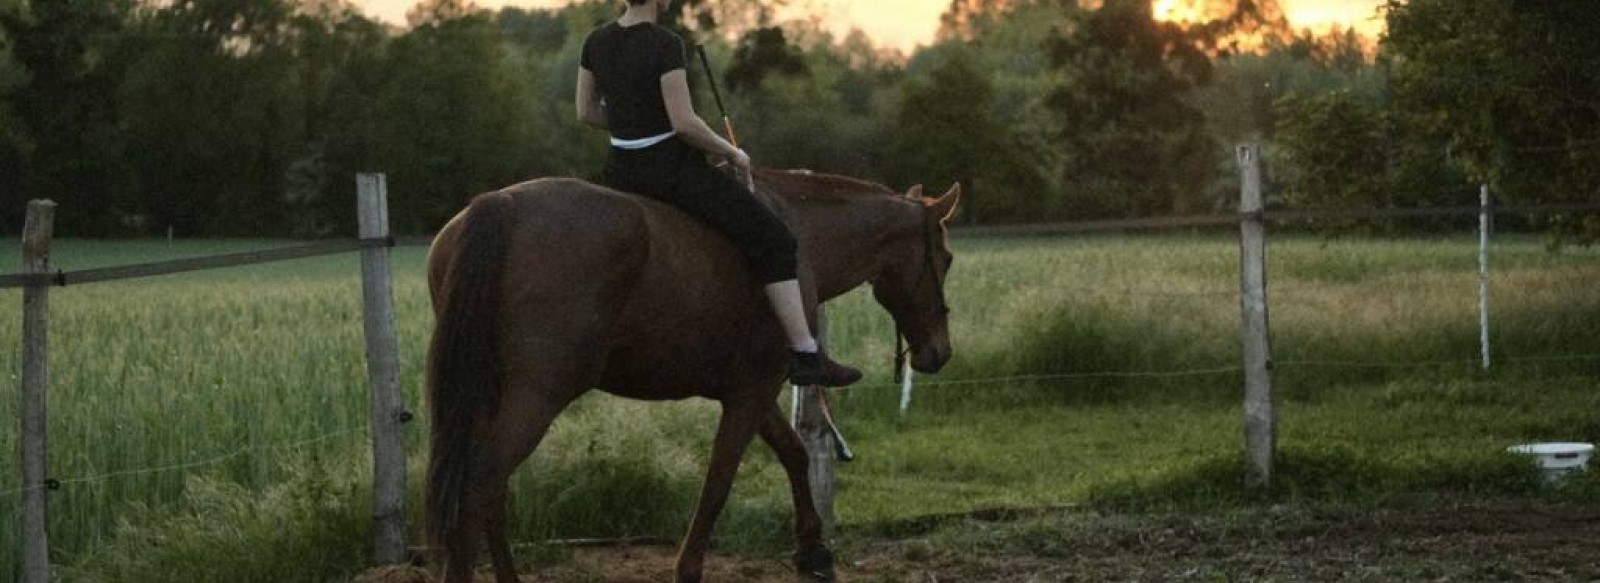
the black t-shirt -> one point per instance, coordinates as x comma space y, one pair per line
628, 62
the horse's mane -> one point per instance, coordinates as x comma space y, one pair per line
811, 185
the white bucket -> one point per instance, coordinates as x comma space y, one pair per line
1557, 459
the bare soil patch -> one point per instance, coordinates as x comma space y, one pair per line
1504, 542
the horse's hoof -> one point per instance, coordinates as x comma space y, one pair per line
814, 563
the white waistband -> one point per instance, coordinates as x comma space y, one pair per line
640, 143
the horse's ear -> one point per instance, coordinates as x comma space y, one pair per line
945, 207
914, 193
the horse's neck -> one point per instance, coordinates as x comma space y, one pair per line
842, 238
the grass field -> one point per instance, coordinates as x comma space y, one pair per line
213, 424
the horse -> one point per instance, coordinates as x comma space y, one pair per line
547, 289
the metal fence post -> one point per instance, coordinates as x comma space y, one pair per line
1260, 432
387, 408
37, 233
813, 430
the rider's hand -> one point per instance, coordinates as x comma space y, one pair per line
741, 168
740, 161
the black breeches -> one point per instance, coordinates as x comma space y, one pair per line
678, 175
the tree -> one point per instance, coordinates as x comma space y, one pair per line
1132, 146
966, 20
1513, 85
759, 53
15, 144
539, 31
1333, 148
451, 120
805, 106
209, 153
950, 130
71, 149
339, 71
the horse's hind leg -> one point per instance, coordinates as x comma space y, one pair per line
812, 559
734, 432
505, 568
524, 418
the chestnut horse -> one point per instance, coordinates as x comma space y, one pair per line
549, 288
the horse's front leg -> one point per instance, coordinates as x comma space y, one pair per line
812, 560
739, 422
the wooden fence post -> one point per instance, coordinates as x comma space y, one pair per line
37, 233
387, 409
813, 430
1485, 224
1260, 432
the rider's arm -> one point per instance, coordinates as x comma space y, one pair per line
690, 128
590, 112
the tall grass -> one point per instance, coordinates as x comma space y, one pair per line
223, 413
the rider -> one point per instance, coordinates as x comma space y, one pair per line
632, 82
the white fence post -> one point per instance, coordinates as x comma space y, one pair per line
386, 406
1485, 223
905, 387
813, 430
37, 233
1260, 432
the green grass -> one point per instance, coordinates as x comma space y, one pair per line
254, 376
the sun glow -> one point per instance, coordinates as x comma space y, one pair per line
1176, 11
904, 24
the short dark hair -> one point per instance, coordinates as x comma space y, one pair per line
637, 2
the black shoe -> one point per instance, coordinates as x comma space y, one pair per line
816, 369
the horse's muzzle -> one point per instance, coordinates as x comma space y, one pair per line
929, 359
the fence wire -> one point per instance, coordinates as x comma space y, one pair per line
1225, 370
1269, 215
57, 482
63, 278
1100, 291
1429, 363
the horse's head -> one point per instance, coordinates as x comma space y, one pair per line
910, 281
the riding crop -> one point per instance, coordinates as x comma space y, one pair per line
841, 450
711, 78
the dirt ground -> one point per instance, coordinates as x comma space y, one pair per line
1505, 542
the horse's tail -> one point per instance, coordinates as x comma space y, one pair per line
464, 369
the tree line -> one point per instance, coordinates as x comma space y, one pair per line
251, 117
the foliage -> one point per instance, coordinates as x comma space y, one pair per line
761, 52
249, 117
1512, 89
973, 110
942, 141
445, 131
72, 55
14, 141
1350, 175
1132, 146
314, 527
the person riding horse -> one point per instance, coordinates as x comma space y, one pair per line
674, 283
632, 82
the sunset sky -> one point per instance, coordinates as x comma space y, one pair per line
907, 23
